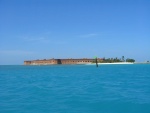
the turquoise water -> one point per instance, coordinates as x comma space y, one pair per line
75, 89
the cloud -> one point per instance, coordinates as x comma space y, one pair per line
88, 35
37, 39
15, 52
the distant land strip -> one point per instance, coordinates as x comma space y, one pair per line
78, 61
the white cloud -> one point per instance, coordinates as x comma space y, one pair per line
36, 39
89, 35
15, 52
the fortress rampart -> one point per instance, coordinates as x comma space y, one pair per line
60, 61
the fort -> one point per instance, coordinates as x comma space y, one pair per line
61, 61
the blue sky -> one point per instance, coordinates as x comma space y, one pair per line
44, 29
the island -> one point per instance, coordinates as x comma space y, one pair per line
79, 61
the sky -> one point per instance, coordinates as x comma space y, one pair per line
45, 29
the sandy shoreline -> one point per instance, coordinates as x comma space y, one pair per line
111, 63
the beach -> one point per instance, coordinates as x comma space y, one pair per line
110, 63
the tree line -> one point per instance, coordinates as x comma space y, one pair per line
113, 60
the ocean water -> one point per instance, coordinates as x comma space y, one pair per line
75, 89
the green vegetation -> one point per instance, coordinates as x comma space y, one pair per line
114, 60
123, 59
130, 60
110, 60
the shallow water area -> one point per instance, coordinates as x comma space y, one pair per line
75, 89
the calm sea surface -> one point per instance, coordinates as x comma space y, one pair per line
75, 89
